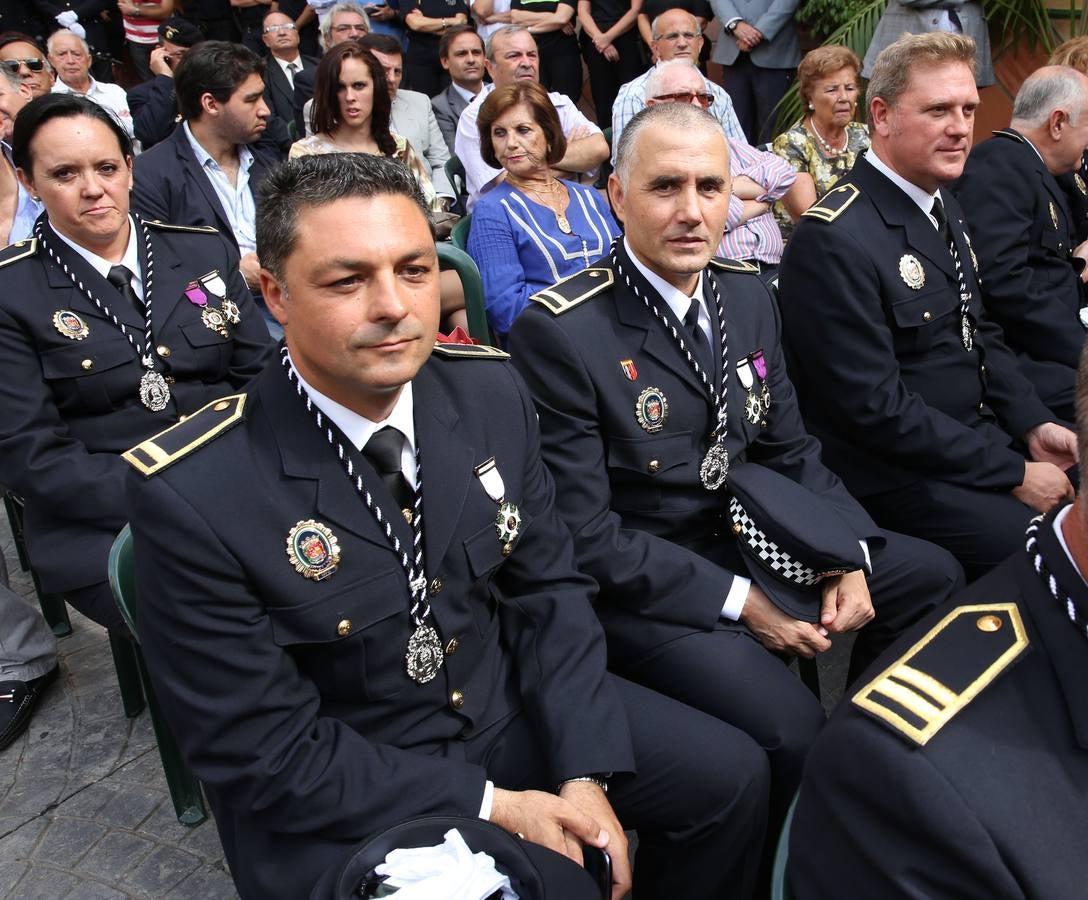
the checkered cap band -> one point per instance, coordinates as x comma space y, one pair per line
776, 559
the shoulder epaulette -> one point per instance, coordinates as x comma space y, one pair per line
574, 289
192, 432
192, 229
733, 265
834, 203
1010, 134
19, 250
939, 676
475, 351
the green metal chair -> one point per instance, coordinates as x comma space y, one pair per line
455, 172
184, 787
606, 167
780, 876
459, 235
449, 257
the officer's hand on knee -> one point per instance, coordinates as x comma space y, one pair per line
780, 632
548, 820
846, 605
591, 800
1044, 486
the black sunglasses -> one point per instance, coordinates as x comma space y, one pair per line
12, 65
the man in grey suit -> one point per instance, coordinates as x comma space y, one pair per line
461, 52
411, 115
759, 52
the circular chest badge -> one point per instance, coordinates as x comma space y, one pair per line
651, 409
911, 271
313, 550
70, 325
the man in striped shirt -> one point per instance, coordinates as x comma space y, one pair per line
141, 19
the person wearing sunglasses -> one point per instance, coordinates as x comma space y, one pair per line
20, 55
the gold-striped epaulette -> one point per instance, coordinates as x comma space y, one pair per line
192, 229
469, 351
191, 433
920, 693
733, 265
577, 288
19, 250
834, 203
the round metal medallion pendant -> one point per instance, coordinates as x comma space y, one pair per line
715, 467
425, 656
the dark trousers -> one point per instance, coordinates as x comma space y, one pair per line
755, 92
980, 528
561, 64
96, 603
423, 72
698, 800
606, 78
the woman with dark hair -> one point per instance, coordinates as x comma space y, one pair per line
116, 327
531, 229
351, 113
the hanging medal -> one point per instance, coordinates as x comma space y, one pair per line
214, 284
715, 464
759, 363
153, 390
508, 520
753, 401
424, 655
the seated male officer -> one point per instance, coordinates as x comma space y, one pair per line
620, 364
919, 404
363, 606
1024, 232
961, 769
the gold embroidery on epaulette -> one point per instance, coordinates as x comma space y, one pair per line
834, 203
925, 697
150, 456
733, 265
28, 247
477, 351
558, 303
193, 229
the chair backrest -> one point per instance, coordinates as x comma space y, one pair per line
449, 257
459, 235
455, 172
780, 876
122, 575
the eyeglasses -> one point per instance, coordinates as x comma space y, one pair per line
703, 98
11, 66
341, 29
283, 26
673, 36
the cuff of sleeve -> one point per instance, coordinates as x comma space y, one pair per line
733, 21
734, 600
489, 798
868, 559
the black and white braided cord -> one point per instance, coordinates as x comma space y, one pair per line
1060, 595
967, 325
412, 565
720, 401
144, 351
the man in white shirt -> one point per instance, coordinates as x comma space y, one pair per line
512, 56
70, 56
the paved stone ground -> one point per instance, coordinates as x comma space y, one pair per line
84, 809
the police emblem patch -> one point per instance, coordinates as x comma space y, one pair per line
1079, 182
652, 409
911, 271
1054, 215
313, 550
70, 325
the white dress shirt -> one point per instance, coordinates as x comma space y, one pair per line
131, 259
287, 73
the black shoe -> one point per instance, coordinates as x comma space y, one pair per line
17, 702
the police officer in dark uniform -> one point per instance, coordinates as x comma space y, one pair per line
112, 328
1024, 231
626, 362
919, 405
961, 769
363, 605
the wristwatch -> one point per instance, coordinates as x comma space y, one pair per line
732, 26
598, 778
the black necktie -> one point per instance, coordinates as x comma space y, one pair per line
383, 452
699, 343
938, 213
121, 278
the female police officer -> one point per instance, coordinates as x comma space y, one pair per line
111, 328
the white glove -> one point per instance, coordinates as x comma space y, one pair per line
68, 19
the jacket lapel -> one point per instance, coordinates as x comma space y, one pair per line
168, 280
196, 175
86, 275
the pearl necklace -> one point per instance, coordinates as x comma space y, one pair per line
827, 148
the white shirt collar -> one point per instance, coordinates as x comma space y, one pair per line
284, 63
466, 95
1058, 519
358, 429
131, 259
60, 87
245, 155
923, 199
677, 300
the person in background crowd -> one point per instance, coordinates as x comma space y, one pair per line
302, 14
1074, 53
461, 52
71, 59
384, 18
249, 14
759, 53
342, 22
1024, 233
826, 141
23, 17
490, 16
552, 23
427, 21
141, 19
21, 56
215, 19
651, 9
18, 208
512, 56
411, 115
533, 229
919, 404
285, 64
153, 103
676, 36
118, 326
610, 47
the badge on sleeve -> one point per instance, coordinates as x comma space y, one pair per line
911, 271
313, 550
70, 325
1054, 215
508, 519
652, 409
1079, 182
